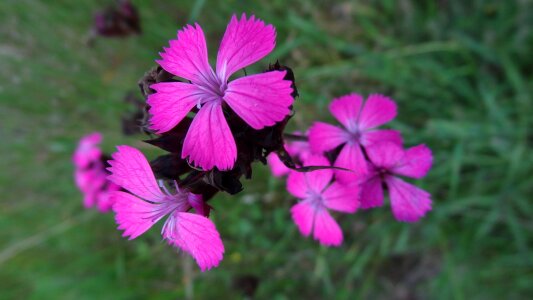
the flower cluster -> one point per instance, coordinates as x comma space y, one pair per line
90, 173
214, 126
366, 158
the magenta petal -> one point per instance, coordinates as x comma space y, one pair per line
261, 99
416, 163
372, 193
319, 179
209, 141
88, 150
326, 230
187, 56
104, 203
89, 200
245, 42
377, 111
385, 155
351, 157
277, 167
92, 139
132, 214
86, 179
408, 202
196, 235
324, 137
346, 110
130, 170
171, 103
342, 197
303, 215
297, 184
299, 149
371, 137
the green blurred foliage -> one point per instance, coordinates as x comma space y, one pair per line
459, 70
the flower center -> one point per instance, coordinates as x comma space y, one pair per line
172, 202
214, 90
222, 89
315, 199
382, 173
354, 136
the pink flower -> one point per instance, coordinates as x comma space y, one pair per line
298, 150
147, 204
408, 202
318, 194
90, 174
88, 150
360, 122
260, 100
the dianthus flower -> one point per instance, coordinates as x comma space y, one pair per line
360, 121
90, 174
147, 204
318, 194
388, 160
260, 100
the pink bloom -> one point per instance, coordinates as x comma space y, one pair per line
360, 121
147, 204
90, 174
298, 150
88, 150
260, 100
318, 194
408, 202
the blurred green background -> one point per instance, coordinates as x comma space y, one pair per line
461, 72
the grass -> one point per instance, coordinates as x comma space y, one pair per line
460, 71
